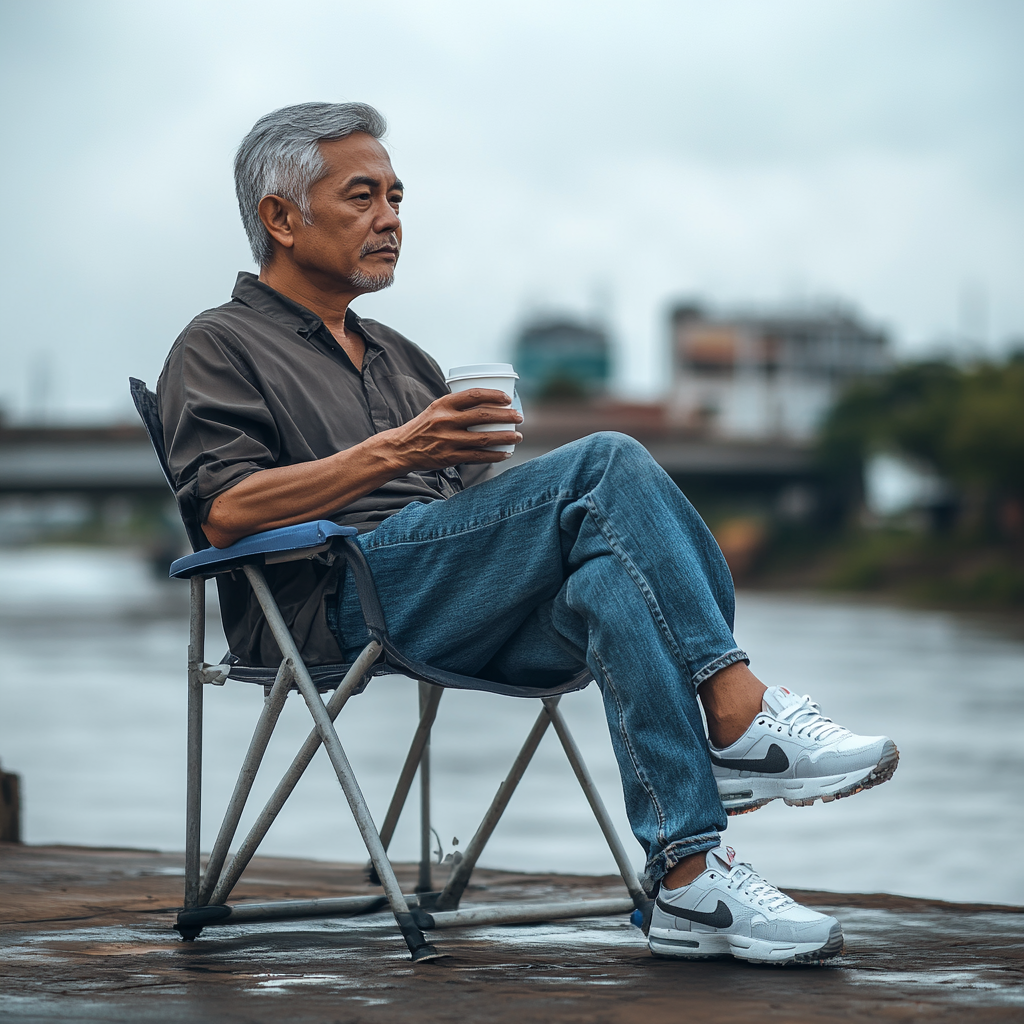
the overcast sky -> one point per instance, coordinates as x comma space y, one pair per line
593, 157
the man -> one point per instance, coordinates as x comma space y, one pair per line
283, 406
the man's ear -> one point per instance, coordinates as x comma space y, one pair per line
279, 217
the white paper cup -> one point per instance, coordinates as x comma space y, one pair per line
495, 377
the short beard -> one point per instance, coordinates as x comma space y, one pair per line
375, 282
372, 282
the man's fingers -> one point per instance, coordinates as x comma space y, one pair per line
481, 455
484, 414
489, 438
480, 446
476, 396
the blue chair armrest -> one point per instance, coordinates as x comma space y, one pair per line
255, 549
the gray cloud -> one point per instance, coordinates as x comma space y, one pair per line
746, 150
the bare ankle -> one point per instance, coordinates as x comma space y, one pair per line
731, 699
685, 871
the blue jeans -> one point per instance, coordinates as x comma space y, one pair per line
588, 554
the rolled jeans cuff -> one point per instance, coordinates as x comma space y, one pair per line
665, 860
722, 661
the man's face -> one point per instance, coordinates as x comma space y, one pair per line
356, 234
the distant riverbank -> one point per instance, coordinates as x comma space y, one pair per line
903, 565
900, 564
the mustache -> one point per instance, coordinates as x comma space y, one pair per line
391, 242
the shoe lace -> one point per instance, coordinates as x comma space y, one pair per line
805, 718
744, 879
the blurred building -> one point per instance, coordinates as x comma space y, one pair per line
559, 358
766, 376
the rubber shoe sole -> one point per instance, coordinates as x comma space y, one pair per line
709, 945
741, 796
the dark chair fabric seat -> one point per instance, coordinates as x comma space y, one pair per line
261, 549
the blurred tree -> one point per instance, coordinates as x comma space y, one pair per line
984, 440
968, 424
906, 409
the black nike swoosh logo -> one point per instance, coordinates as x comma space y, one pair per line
772, 763
721, 918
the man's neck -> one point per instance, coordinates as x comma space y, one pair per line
330, 304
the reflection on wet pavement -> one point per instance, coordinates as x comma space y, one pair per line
102, 949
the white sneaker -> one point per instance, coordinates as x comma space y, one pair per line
731, 910
792, 751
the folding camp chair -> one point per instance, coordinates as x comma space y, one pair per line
206, 893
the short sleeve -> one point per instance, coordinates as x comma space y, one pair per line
217, 427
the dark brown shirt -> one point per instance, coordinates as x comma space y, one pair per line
260, 382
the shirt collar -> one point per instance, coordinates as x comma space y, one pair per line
250, 291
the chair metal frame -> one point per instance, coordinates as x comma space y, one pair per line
427, 909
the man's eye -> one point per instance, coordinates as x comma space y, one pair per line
396, 199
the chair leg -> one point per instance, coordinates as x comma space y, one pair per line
461, 872
273, 705
419, 741
247, 850
418, 945
425, 882
572, 752
194, 742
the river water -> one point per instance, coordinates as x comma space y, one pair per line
92, 708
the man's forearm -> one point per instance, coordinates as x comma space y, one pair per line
442, 435
297, 494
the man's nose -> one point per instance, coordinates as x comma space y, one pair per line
386, 220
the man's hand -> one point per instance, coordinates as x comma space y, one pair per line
437, 438
440, 435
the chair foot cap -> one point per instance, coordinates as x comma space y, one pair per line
426, 952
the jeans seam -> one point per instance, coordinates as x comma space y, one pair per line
638, 578
609, 682
473, 527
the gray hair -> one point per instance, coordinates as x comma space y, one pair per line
281, 156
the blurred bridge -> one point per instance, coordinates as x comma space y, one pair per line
118, 459
686, 455
78, 460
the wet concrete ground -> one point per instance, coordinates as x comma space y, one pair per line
86, 937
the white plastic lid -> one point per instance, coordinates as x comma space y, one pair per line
482, 370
